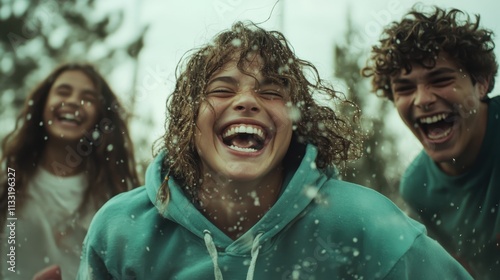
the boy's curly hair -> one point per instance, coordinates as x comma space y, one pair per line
335, 136
419, 38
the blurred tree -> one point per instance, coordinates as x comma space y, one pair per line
376, 169
38, 35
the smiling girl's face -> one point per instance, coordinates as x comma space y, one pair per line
243, 126
71, 109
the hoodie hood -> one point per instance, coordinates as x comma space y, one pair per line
299, 190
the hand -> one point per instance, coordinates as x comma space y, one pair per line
52, 272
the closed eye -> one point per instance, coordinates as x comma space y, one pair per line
271, 94
404, 89
442, 82
220, 92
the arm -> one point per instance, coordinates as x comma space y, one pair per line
426, 259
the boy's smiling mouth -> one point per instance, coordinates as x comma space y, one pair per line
437, 127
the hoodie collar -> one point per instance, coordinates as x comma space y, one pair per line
298, 193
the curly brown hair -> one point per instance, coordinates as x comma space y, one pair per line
335, 136
109, 171
419, 38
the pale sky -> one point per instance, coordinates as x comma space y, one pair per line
311, 26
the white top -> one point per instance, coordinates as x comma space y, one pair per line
47, 230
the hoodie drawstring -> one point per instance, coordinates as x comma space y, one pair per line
212, 251
255, 253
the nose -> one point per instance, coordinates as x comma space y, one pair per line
247, 101
73, 99
424, 97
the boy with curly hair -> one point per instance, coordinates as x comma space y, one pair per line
438, 67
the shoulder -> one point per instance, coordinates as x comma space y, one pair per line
359, 215
362, 207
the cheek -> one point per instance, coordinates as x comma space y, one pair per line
403, 105
283, 119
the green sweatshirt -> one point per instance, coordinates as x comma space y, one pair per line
320, 228
462, 211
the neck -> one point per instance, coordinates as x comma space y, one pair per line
235, 206
62, 159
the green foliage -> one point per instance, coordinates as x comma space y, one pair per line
376, 167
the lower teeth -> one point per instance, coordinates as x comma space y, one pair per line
248, 150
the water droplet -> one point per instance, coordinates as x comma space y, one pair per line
109, 148
30, 103
311, 191
236, 42
41, 123
313, 165
95, 135
49, 122
28, 117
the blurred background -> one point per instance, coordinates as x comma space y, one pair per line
137, 44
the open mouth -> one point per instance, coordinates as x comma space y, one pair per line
244, 138
72, 118
438, 126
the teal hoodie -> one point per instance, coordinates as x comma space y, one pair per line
320, 228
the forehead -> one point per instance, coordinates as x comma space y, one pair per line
443, 61
74, 78
251, 63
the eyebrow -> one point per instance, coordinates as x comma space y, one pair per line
233, 81
435, 72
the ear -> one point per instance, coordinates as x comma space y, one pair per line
482, 85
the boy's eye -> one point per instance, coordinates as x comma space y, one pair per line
441, 82
403, 90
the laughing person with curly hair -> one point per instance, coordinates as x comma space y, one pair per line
438, 68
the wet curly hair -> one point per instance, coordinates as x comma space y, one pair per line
335, 135
419, 38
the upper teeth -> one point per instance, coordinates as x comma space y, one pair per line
434, 119
244, 129
69, 116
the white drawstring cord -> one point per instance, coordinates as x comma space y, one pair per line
254, 253
213, 253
